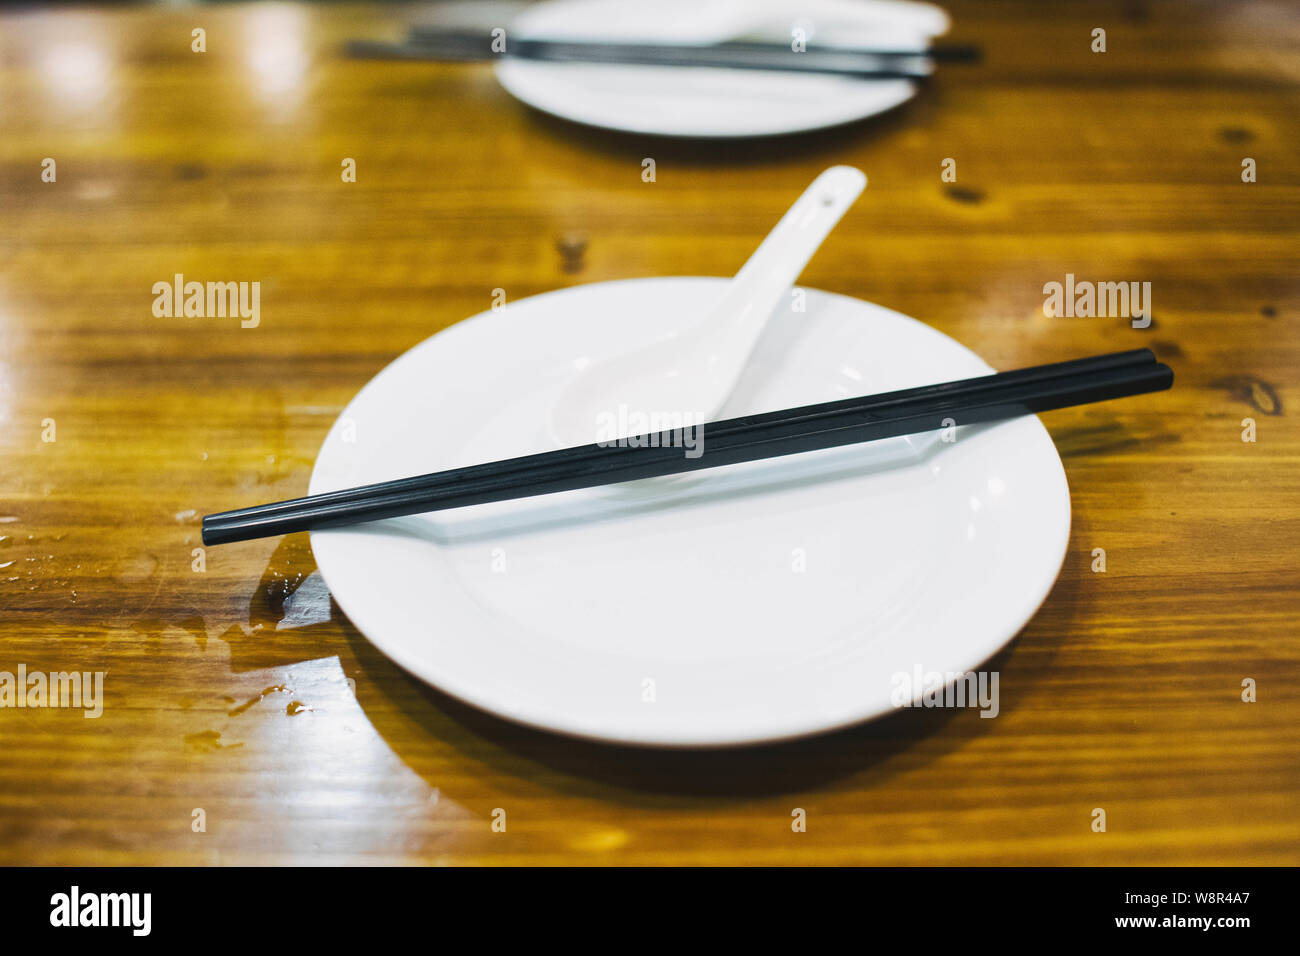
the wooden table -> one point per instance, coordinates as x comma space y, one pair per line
303, 744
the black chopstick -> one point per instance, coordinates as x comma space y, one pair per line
915, 64
769, 435
963, 387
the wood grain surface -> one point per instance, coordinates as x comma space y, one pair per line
303, 744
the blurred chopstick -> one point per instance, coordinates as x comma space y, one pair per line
770, 435
426, 44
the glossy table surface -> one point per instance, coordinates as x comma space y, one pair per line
246, 721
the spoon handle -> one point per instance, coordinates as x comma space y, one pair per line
785, 251
771, 271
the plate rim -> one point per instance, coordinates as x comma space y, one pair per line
504, 72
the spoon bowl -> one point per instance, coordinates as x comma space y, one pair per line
685, 379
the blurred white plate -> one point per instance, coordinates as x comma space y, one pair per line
753, 602
673, 101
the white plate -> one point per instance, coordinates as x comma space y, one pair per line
765, 600
673, 101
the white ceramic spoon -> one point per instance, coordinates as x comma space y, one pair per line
686, 379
